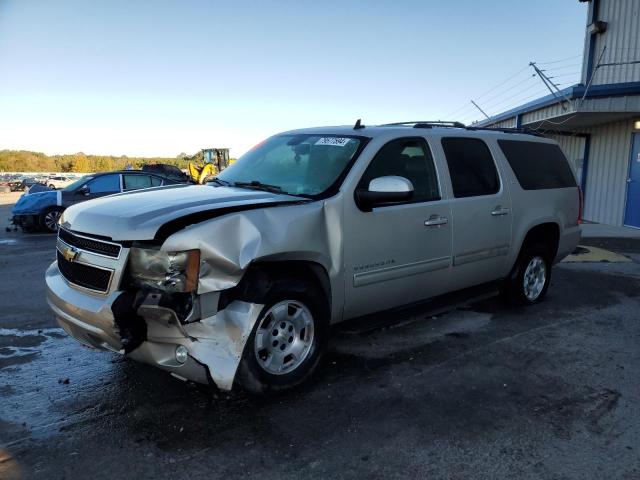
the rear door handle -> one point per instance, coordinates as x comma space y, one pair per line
500, 211
435, 220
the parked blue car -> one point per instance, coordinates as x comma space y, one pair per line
42, 210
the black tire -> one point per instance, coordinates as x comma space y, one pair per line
251, 376
520, 292
52, 186
49, 215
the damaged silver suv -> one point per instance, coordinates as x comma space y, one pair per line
238, 281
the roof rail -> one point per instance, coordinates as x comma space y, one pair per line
427, 124
431, 124
521, 130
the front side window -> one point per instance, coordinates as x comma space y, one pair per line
409, 158
471, 167
105, 184
78, 183
297, 164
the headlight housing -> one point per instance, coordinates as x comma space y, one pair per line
172, 272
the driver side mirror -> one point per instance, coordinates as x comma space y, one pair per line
384, 190
84, 191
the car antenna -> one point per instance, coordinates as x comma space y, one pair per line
358, 125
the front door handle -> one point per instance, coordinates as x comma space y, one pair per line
499, 211
435, 220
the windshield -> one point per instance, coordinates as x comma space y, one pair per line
78, 183
302, 164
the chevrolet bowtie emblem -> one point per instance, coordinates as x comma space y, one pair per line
70, 254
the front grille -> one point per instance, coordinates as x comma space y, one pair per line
83, 275
90, 244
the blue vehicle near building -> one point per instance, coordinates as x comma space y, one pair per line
42, 210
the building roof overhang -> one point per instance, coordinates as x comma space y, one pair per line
574, 96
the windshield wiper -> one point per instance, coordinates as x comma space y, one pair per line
256, 185
217, 180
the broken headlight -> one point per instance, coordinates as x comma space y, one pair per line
167, 271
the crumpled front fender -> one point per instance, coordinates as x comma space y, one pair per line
229, 244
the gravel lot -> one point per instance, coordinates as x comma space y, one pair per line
477, 391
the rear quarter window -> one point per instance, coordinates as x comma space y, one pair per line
538, 165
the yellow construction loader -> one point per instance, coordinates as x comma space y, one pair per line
207, 163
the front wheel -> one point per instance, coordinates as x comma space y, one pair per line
530, 278
49, 219
288, 339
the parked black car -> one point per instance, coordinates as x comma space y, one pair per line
24, 184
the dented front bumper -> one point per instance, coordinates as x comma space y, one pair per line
215, 343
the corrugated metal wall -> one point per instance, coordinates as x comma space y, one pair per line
622, 39
508, 123
606, 188
549, 112
573, 147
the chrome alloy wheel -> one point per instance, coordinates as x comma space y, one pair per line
284, 337
51, 220
535, 277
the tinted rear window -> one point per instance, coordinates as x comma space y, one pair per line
538, 165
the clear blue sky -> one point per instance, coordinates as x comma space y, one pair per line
162, 77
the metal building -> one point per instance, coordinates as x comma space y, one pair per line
597, 122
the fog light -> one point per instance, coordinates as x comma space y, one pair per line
181, 353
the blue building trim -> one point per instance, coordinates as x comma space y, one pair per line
585, 166
607, 90
592, 39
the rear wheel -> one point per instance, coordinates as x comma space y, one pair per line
288, 339
531, 275
49, 219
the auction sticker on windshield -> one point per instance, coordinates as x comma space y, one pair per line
333, 141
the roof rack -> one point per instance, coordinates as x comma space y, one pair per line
432, 124
427, 124
521, 130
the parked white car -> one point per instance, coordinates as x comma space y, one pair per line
60, 181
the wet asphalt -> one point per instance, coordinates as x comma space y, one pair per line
480, 390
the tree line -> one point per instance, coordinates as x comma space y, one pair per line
26, 161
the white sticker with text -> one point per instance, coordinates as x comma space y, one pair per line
333, 141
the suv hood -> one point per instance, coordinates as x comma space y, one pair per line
139, 215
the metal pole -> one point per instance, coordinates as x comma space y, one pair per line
481, 111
